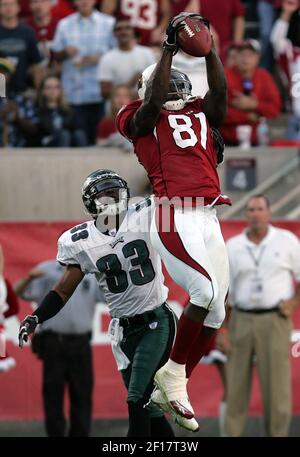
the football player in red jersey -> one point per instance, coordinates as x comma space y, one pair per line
171, 133
148, 17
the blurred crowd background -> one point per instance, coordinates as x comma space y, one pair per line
70, 65
66, 68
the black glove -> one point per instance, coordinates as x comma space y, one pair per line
174, 26
219, 144
27, 327
171, 33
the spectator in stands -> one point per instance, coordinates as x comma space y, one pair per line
9, 306
149, 19
17, 113
226, 16
267, 11
252, 94
63, 345
231, 55
44, 25
107, 134
60, 9
80, 41
264, 263
57, 125
19, 45
125, 63
285, 38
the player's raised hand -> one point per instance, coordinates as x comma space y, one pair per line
27, 327
174, 26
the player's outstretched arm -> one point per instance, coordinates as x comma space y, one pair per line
52, 303
215, 101
145, 118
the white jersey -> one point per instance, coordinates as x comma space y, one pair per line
126, 266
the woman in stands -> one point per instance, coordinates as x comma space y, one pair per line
57, 123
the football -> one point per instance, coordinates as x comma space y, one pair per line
194, 37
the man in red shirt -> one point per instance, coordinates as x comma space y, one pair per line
227, 17
44, 24
252, 94
149, 18
171, 133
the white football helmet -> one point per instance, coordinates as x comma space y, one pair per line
180, 88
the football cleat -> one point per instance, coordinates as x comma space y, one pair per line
173, 389
188, 424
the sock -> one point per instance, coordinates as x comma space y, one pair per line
160, 428
199, 348
187, 332
139, 419
222, 414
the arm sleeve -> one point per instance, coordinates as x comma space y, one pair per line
12, 301
59, 42
278, 38
269, 104
124, 116
34, 55
236, 116
295, 256
37, 288
65, 253
105, 72
237, 8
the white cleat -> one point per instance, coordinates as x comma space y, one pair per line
188, 424
173, 389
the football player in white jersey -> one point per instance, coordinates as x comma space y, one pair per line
115, 246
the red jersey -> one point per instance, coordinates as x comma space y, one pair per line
221, 14
44, 33
144, 17
106, 128
179, 155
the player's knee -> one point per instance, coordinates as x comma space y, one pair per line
204, 296
216, 316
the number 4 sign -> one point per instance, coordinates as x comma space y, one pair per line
240, 174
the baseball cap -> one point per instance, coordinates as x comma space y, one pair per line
251, 44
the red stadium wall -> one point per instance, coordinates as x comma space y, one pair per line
25, 245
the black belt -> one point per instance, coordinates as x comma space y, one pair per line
139, 319
258, 310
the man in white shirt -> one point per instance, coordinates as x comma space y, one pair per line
80, 41
125, 63
264, 266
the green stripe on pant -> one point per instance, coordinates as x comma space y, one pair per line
147, 346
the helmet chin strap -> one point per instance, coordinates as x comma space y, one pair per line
174, 105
